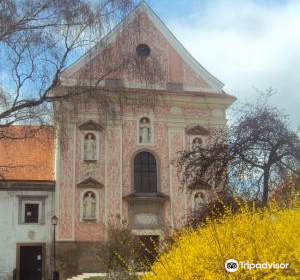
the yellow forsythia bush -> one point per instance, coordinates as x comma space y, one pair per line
266, 236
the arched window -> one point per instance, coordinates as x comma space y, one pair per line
145, 173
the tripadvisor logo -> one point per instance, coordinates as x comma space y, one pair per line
232, 265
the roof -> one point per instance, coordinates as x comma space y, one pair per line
27, 153
212, 81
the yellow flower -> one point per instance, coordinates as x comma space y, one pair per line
265, 236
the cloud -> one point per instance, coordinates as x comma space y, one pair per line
247, 44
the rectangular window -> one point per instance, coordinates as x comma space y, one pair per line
31, 213
32, 209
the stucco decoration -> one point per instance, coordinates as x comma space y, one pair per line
144, 130
89, 206
154, 197
91, 125
200, 200
90, 183
90, 147
196, 130
197, 143
146, 219
178, 192
176, 110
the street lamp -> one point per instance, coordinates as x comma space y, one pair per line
54, 221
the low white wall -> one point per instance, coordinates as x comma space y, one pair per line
11, 232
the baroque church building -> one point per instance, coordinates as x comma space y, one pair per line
117, 169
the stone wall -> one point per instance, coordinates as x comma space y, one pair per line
74, 258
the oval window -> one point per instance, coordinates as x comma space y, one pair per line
143, 50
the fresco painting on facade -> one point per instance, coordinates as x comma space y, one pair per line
119, 168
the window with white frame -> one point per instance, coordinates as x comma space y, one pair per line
31, 210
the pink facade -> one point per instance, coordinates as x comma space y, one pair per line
110, 175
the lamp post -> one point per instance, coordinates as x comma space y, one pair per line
54, 221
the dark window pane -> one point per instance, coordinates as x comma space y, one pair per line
31, 213
145, 173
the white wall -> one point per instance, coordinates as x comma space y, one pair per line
11, 232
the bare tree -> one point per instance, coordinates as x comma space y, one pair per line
253, 157
40, 38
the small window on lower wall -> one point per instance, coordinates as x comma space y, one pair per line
31, 213
31, 210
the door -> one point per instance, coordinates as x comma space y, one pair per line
31, 260
149, 248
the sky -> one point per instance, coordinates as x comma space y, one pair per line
249, 45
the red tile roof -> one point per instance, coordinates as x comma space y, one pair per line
27, 153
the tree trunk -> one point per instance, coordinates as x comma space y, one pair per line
266, 186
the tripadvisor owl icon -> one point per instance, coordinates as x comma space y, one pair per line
231, 265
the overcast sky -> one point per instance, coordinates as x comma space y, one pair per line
246, 44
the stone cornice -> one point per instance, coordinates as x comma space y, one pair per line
90, 183
7, 185
193, 99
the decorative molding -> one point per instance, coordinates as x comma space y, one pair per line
146, 219
97, 142
96, 193
90, 183
212, 81
196, 130
174, 86
26, 186
90, 125
155, 197
150, 116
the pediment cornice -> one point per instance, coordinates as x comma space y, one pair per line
90, 183
196, 130
91, 125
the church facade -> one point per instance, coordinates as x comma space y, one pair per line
110, 169
120, 171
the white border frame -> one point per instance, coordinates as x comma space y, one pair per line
40, 203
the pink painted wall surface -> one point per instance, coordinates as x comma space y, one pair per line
118, 140
141, 31
118, 143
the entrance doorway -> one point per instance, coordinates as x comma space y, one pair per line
148, 248
30, 262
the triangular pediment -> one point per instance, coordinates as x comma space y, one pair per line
90, 183
196, 130
183, 71
90, 125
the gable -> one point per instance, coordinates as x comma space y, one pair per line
142, 26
